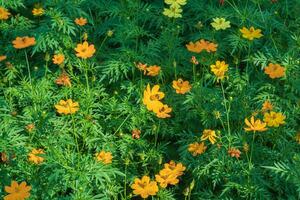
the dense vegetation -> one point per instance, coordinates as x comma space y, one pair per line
132, 99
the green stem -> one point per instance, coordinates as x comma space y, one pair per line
125, 180
28, 67
194, 72
74, 133
86, 76
250, 160
156, 134
227, 108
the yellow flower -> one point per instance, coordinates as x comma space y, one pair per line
161, 110
67, 107
81, 21
104, 157
298, 137
152, 96
210, 135
58, 59
176, 169
176, 2
219, 69
85, 50
23, 42
275, 71
267, 105
197, 148
144, 187
181, 86
255, 125
251, 33
153, 70
4, 14
274, 119
17, 192
34, 157
38, 11
173, 12
220, 23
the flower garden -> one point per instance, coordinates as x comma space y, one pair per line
149, 99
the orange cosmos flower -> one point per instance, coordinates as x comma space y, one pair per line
251, 33
38, 11
176, 169
219, 69
275, 70
142, 67
197, 148
201, 45
81, 21
152, 97
166, 177
210, 135
58, 59
23, 42
161, 110
30, 127
2, 57
267, 105
153, 70
64, 80
67, 107
4, 14
144, 187
255, 125
136, 133
85, 50
233, 152
181, 86
17, 192
274, 119
104, 157
34, 157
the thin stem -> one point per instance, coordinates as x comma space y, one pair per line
125, 180
227, 108
28, 67
86, 76
156, 134
74, 133
194, 72
250, 161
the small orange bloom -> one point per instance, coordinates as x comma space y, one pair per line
136, 134
34, 157
153, 70
58, 59
85, 50
267, 106
4, 14
23, 42
233, 152
30, 127
38, 11
201, 45
142, 67
2, 57
64, 80
194, 60
197, 148
181, 86
104, 157
17, 192
162, 110
275, 71
144, 187
81, 21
